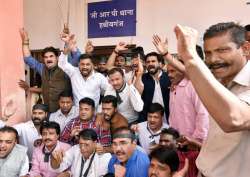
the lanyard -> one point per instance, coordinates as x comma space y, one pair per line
47, 154
87, 170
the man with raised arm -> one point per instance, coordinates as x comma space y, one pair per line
54, 80
225, 92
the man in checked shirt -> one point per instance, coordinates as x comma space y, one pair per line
86, 119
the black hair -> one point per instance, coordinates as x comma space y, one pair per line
85, 56
159, 58
236, 31
171, 131
156, 107
110, 99
50, 49
42, 107
114, 70
247, 27
121, 55
199, 52
87, 101
66, 93
9, 130
138, 51
166, 155
88, 134
50, 125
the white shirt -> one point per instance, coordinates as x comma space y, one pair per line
91, 87
157, 98
131, 102
24, 168
73, 159
228, 154
27, 135
145, 135
61, 119
2, 124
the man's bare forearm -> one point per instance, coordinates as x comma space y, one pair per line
26, 49
139, 84
174, 62
111, 61
227, 110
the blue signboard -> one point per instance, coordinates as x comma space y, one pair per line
112, 18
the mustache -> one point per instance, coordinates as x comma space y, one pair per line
47, 139
152, 123
36, 119
217, 65
84, 69
106, 115
150, 67
120, 152
134, 66
49, 61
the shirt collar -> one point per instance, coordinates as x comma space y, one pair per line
70, 112
92, 74
155, 133
31, 124
160, 74
89, 156
243, 77
132, 158
183, 82
90, 121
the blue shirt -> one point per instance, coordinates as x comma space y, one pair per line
136, 166
34, 64
73, 57
38, 67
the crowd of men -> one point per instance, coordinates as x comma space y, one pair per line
167, 116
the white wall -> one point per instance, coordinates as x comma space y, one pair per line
44, 21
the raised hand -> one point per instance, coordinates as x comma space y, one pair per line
89, 48
161, 46
183, 171
72, 42
120, 171
121, 46
56, 158
140, 70
75, 131
186, 42
65, 37
24, 35
66, 28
